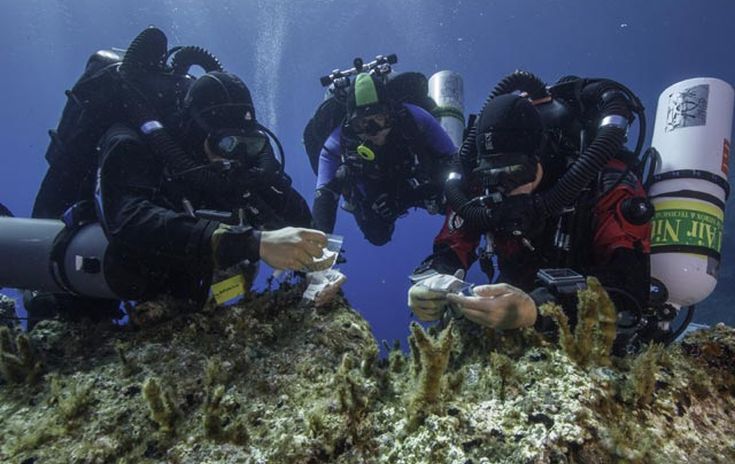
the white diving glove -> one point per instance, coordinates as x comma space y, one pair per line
427, 298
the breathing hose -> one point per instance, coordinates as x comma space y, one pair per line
281, 153
148, 54
472, 210
183, 58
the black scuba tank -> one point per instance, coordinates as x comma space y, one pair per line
71, 154
94, 104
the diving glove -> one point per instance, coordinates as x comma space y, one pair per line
427, 298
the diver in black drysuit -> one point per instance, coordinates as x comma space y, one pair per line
187, 184
142, 207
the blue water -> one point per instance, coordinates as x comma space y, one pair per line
281, 47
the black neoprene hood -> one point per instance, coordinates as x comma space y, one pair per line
220, 100
509, 124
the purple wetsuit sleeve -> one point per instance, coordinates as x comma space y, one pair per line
434, 134
329, 158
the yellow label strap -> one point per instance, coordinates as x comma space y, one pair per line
228, 289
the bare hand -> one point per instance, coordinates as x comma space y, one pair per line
499, 306
291, 248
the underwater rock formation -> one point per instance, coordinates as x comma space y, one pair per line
273, 381
7, 311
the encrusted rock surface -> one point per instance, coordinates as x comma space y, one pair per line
271, 381
7, 311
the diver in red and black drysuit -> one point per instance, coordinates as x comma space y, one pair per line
541, 204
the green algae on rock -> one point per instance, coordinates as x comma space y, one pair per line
8, 317
18, 361
271, 380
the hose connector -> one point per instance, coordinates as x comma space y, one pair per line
614, 120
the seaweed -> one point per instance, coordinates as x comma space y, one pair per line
596, 328
502, 366
353, 400
432, 360
216, 423
320, 394
73, 403
129, 367
18, 361
161, 405
639, 390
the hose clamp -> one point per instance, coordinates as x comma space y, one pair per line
454, 176
614, 120
150, 126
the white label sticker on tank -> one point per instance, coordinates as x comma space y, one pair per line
688, 108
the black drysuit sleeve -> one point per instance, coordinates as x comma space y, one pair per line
326, 203
133, 212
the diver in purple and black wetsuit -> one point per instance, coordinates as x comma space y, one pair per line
385, 158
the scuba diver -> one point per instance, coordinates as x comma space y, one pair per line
544, 176
184, 182
387, 155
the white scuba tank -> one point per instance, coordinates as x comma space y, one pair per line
690, 188
447, 90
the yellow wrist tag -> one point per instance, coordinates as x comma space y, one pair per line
228, 289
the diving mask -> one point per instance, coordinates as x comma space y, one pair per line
237, 144
370, 125
504, 172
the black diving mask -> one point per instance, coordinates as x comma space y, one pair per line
504, 172
234, 144
370, 125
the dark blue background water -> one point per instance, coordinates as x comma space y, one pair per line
280, 48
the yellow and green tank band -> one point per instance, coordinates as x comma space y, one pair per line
687, 226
